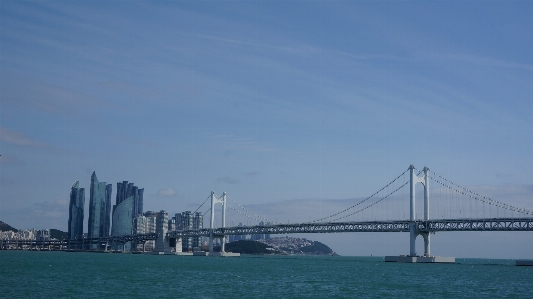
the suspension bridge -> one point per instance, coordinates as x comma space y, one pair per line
393, 208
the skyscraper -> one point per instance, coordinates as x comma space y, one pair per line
123, 218
75, 212
129, 204
107, 222
99, 204
126, 190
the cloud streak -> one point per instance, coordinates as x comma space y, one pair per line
168, 192
20, 139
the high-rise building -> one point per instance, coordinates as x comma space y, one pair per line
161, 245
151, 221
187, 220
75, 212
139, 225
129, 204
123, 218
99, 204
172, 224
126, 190
107, 218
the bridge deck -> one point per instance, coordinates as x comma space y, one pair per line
493, 224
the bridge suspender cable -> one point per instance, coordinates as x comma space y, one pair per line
336, 214
248, 216
477, 196
371, 204
268, 220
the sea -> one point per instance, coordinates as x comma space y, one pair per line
57, 274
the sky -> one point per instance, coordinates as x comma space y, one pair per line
294, 108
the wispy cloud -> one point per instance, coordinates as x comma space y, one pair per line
488, 61
23, 93
168, 192
20, 139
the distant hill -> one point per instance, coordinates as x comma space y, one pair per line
317, 248
293, 245
6, 227
247, 247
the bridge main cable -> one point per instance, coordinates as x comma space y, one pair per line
338, 213
259, 216
479, 197
373, 203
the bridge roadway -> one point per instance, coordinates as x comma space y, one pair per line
492, 224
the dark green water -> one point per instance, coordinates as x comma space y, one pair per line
26, 274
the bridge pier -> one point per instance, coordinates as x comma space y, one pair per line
426, 243
412, 238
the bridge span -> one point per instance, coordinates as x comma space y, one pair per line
422, 226
416, 225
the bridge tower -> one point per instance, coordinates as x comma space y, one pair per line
222, 201
413, 231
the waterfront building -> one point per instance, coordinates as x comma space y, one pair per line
129, 204
123, 218
75, 212
139, 225
172, 224
151, 220
161, 246
126, 190
107, 218
188, 220
99, 208
43, 235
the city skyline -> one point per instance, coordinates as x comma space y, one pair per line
294, 109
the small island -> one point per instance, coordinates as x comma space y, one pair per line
280, 245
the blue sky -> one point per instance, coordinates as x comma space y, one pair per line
277, 103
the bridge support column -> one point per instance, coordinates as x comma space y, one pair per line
413, 231
211, 241
223, 239
426, 243
215, 200
426, 211
412, 238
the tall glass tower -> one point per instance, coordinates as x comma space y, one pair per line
75, 212
99, 204
129, 205
126, 190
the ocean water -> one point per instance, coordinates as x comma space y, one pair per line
25, 274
